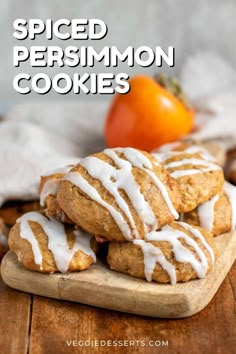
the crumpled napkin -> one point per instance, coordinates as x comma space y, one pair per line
210, 82
80, 122
26, 152
36, 138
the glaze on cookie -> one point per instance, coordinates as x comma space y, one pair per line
48, 188
218, 214
198, 177
176, 253
207, 150
45, 245
119, 194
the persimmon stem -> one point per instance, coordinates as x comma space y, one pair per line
172, 84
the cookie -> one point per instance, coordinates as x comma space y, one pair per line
215, 150
198, 178
3, 238
48, 188
208, 150
119, 194
176, 253
217, 215
45, 245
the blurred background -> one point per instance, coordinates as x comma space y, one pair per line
190, 26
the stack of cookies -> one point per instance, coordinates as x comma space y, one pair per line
158, 212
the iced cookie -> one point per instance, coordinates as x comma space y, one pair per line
3, 238
176, 253
207, 150
45, 245
198, 178
218, 214
119, 194
215, 150
48, 188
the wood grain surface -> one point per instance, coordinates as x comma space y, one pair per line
15, 310
43, 326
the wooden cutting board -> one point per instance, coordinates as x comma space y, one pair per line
101, 287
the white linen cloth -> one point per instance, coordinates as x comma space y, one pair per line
210, 83
37, 137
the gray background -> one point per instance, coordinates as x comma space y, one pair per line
189, 25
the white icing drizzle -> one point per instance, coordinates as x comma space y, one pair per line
159, 157
230, 191
198, 234
81, 183
57, 240
201, 151
170, 146
182, 254
83, 240
27, 234
206, 213
182, 173
123, 179
191, 161
50, 187
153, 254
167, 151
206, 210
62, 170
135, 157
139, 160
114, 179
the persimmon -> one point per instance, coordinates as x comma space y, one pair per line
148, 116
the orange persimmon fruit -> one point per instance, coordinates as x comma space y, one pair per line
148, 116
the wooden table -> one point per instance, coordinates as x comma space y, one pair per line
36, 325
